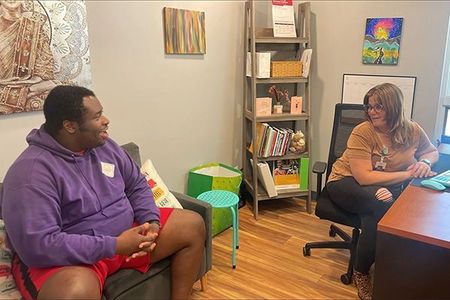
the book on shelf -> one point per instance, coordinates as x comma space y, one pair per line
267, 142
304, 173
265, 177
306, 61
262, 65
270, 140
275, 142
261, 128
285, 174
290, 174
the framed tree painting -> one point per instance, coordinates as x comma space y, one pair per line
382, 41
184, 31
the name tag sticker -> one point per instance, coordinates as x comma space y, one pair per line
108, 169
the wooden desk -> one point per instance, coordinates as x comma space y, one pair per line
413, 247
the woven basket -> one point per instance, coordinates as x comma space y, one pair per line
290, 68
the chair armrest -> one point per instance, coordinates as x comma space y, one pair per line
319, 168
205, 211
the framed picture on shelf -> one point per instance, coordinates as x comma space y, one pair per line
296, 104
263, 106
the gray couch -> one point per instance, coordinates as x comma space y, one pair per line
155, 284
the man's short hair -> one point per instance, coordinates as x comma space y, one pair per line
64, 102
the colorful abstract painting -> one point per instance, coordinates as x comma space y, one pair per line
382, 41
184, 31
42, 44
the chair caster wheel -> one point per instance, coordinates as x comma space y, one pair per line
331, 232
306, 251
346, 279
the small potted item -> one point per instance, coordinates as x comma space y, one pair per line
278, 108
280, 97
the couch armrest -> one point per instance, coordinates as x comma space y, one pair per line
205, 210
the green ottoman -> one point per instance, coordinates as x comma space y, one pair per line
215, 176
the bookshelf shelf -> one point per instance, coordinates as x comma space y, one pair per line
274, 40
262, 40
262, 195
265, 36
282, 157
282, 80
277, 118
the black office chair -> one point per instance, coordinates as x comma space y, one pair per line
346, 117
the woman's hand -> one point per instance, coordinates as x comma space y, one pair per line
420, 169
384, 195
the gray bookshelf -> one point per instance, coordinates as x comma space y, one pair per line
257, 40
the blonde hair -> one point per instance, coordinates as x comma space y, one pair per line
391, 97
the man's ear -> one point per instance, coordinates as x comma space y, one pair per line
70, 126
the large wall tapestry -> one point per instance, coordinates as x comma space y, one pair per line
184, 31
42, 44
382, 41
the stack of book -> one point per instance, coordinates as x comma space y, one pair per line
271, 141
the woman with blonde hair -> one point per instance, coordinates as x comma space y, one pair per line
382, 155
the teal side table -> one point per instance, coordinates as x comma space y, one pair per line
224, 199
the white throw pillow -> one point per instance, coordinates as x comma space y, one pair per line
163, 197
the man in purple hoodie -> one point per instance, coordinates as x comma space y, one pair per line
77, 209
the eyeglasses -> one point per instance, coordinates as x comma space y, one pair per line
377, 107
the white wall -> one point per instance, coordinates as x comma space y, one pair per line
182, 110
186, 110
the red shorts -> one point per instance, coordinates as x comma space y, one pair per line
30, 280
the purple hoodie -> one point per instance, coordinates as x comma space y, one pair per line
62, 208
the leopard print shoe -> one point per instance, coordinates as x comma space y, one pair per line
363, 285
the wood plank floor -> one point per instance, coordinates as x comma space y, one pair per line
270, 263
